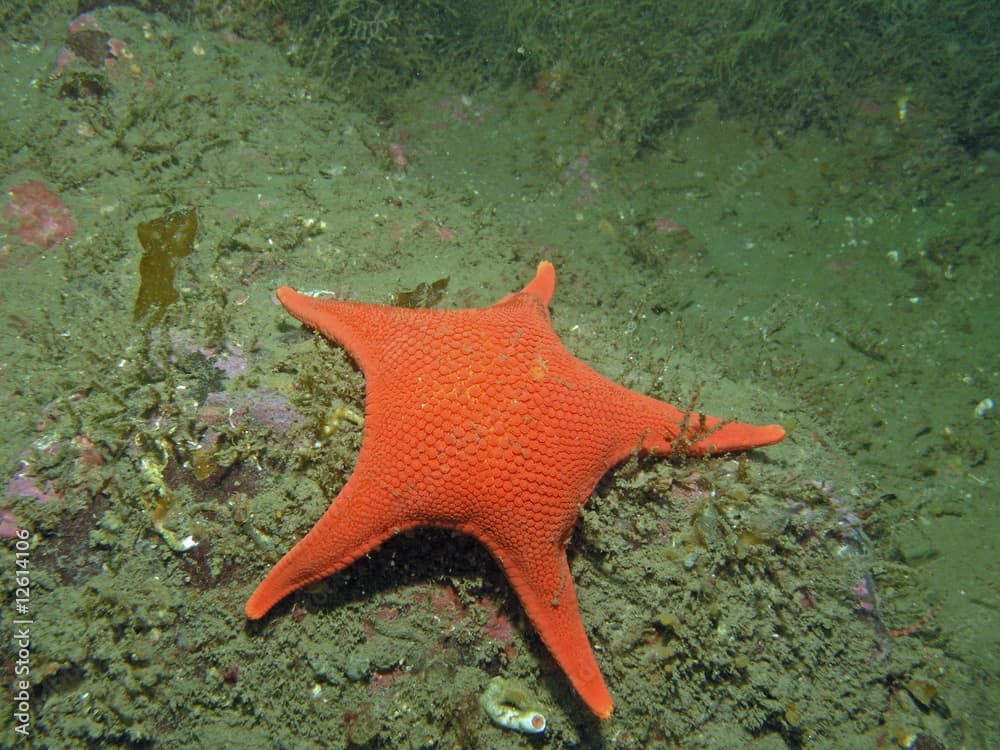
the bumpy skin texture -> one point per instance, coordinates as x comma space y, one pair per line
481, 421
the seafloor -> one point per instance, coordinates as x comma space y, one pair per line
840, 589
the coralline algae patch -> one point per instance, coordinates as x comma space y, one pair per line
35, 216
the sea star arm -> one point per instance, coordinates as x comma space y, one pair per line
364, 515
359, 327
693, 433
543, 285
539, 573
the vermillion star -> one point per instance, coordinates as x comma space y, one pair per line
481, 421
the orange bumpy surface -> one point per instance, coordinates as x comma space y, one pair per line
481, 421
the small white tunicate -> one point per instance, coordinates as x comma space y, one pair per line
508, 705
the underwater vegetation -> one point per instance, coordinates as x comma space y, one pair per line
644, 66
